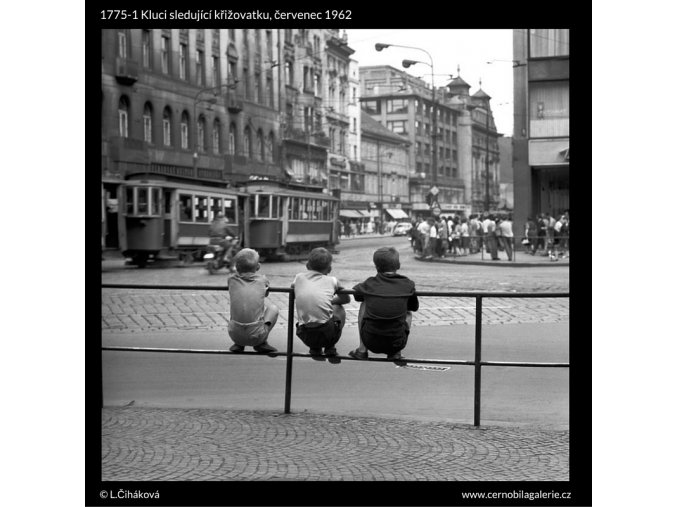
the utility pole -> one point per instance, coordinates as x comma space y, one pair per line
486, 163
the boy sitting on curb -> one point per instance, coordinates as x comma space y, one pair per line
384, 319
251, 316
319, 309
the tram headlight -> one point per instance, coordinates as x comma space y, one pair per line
208, 256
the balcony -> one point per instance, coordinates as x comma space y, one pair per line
234, 103
126, 71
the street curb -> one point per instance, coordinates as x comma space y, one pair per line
502, 263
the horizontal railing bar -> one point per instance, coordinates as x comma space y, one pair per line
347, 358
348, 291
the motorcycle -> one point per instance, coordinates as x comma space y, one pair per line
220, 255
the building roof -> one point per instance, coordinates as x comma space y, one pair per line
480, 94
458, 81
373, 127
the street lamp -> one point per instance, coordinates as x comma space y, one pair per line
379, 46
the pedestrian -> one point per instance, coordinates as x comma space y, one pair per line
424, 235
542, 233
507, 237
455, 234
443, 237
319, 309
388, 300
465, 236
490, 237
432, 244
251, 316
531, 234
475, 234
353, 228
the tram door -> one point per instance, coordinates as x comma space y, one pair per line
111, 202
167, 209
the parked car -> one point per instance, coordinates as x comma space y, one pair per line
401, 229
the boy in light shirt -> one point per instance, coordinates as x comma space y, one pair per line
319, 308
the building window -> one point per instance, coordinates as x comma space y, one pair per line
270, 146
148, 123
371, 106
215, 71
123, 117
548, 42
201, 134
342, 141
167, 127
257, 88
260, 145
270, 100
199, 67
396, 106
288, 73
248, 142
183, 48
549, 109
397, 126
316, 85
146, 49
164, 54
184, 130
232, 139
122, 44
216, 137
354, 125
245, 78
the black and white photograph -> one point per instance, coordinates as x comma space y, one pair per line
333, 254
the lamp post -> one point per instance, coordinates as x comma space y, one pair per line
379, 46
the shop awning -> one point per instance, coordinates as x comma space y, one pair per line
397, 213
350, 213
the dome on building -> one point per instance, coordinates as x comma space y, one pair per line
481, 94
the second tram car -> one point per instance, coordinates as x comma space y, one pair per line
165, 219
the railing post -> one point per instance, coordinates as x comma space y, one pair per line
478, 358
290, 352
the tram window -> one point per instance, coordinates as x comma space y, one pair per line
264, 206
215, 207
294, 208
275, 210
186, 205
130, 200
324, 215
142, 201
168, 201
155, 201
201, 209
229, 210
280, 207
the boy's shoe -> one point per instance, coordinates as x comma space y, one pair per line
316, 354
332, 355
397, 359
358, 355
264, 348
236, 348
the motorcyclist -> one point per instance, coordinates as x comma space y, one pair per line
218, 234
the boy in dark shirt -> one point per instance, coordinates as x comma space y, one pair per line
388, 299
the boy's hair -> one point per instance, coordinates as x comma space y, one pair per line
319, 260
386, 259
246, 260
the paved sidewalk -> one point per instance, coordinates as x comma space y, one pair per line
149, 444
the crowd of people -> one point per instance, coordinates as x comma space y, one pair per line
384, 319
454, 236
547, 235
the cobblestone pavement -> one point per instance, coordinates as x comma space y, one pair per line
149, 444
153, 309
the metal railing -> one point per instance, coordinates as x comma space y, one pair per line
477, 363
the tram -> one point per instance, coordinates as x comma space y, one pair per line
165, 219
